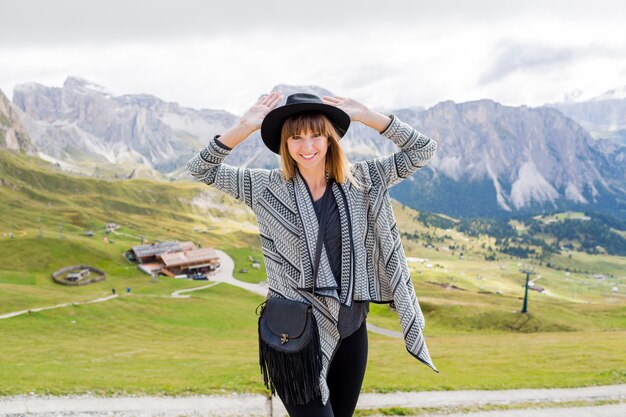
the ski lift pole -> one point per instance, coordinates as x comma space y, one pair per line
525, 305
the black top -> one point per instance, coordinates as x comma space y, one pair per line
332, 236
349, 319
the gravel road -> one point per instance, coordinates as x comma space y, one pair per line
257, 405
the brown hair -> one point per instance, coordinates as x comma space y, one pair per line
337, 164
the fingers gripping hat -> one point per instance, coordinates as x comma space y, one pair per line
272, 124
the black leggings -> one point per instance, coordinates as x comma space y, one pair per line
345, 377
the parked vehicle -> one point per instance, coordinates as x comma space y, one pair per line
199, 276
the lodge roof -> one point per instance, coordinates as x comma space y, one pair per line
189, 256
155, 249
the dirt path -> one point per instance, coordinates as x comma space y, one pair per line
224, 274
618, 410
482, 397
257, 405
180, 293
32, 310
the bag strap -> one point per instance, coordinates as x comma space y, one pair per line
321, 232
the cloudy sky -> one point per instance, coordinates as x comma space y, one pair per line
388, 54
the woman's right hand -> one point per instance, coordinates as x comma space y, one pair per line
253, 118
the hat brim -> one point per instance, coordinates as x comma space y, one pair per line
272, 124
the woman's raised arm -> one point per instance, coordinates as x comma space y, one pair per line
416, 149
251, 120
208, 167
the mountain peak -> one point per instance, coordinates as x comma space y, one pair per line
615, 94
84, 86
26, 87
13, 136
287, 89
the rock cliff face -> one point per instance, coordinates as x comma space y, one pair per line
13, 135
83, 122
528, 157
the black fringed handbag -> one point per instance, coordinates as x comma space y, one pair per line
290, 354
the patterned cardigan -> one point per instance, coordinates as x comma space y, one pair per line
373, 265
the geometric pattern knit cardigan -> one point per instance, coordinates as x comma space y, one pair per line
373, 265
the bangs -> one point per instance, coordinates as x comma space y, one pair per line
304, 123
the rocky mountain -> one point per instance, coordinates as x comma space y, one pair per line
82, 122
493, 160
497, 160
603, 116
13, 136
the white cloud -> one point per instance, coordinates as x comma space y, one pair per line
409, 54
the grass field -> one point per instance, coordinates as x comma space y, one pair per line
206, 344
148, 342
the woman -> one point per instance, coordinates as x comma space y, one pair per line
364, 260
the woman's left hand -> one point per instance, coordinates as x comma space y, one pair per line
355, 109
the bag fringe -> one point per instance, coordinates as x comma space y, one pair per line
294, 376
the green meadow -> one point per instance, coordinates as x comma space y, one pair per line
145, 341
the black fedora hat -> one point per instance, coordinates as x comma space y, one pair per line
272, 124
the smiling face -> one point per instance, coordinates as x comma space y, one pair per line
310, 142
308, 150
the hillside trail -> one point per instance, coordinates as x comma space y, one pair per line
223, 274
33, 310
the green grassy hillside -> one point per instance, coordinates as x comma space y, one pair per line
147, 341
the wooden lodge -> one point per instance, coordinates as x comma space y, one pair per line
152, 251
200, 260
174, 258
